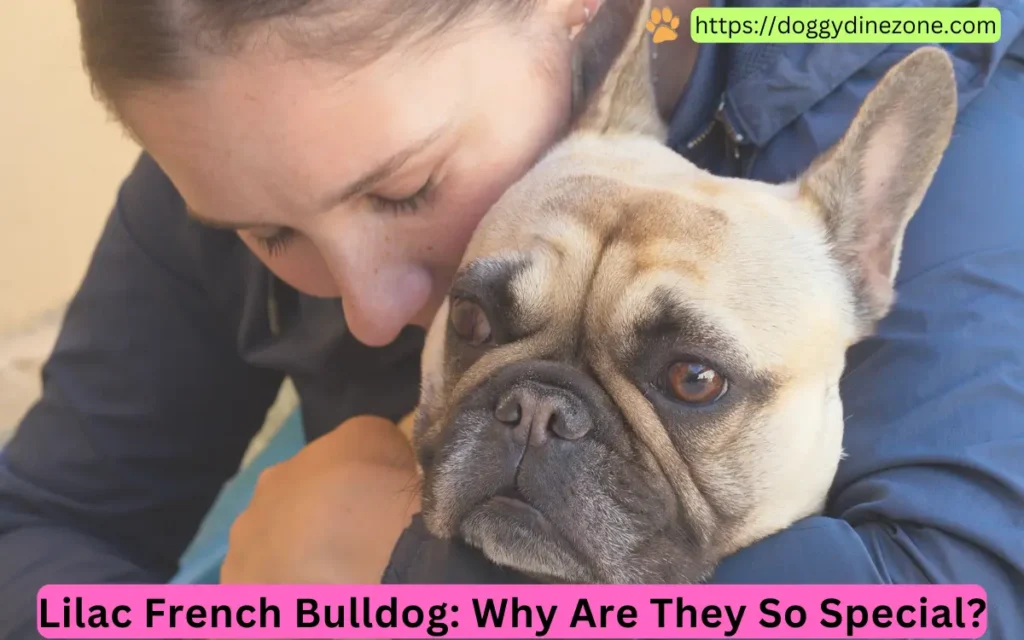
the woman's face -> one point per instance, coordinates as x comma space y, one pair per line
367, 184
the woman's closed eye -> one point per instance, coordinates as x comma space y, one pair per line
405, 204
277, 242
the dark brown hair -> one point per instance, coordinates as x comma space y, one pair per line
132, 43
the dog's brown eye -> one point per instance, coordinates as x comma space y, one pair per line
694, 383
470, 322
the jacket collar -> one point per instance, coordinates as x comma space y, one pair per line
768, 86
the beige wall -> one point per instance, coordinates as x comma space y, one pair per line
61, 160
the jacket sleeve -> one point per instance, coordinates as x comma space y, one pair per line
146, 411
932, 488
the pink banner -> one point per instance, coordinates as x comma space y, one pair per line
511, 611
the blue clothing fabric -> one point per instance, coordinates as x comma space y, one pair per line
178, 339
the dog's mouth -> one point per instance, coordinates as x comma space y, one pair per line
510, 503
510, 530
509, 507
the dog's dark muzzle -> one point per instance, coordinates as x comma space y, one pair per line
531, 427
537, 467
537, 404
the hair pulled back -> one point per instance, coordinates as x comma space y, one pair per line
127, 44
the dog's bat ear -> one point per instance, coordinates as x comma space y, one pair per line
612, 88
870, 183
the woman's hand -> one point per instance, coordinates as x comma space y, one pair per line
330, 515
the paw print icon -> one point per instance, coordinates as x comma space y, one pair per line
663, 25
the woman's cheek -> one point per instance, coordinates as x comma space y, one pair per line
299, 264
471, 209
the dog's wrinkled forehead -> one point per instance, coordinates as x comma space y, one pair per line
606, 237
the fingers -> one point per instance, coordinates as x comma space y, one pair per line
373, 440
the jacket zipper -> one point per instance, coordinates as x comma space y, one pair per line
706, 131
735, 139
734, 142
701, 136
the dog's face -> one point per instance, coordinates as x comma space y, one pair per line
636, 372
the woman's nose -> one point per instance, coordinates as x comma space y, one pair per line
379, 305
382, 287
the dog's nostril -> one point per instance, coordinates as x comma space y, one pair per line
534, 416
558, 426
509, 411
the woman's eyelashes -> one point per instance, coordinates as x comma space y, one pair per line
407, 204
278, 242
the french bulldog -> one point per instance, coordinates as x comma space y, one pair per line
636, 371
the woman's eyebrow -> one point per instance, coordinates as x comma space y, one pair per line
210, 222
382, 171
377, 174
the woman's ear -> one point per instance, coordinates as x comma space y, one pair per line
580, 13
612, 88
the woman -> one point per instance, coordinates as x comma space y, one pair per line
313, 170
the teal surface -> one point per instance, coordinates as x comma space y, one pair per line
201, 562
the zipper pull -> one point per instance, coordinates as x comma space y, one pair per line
706, 131
702, 135
735, 138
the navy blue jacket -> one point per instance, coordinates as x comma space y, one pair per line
178, 340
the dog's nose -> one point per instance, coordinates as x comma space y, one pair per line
536, 413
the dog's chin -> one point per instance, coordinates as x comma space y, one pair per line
512, 533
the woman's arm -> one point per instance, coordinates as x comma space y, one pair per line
146, 411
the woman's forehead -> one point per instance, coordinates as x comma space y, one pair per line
286, 133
